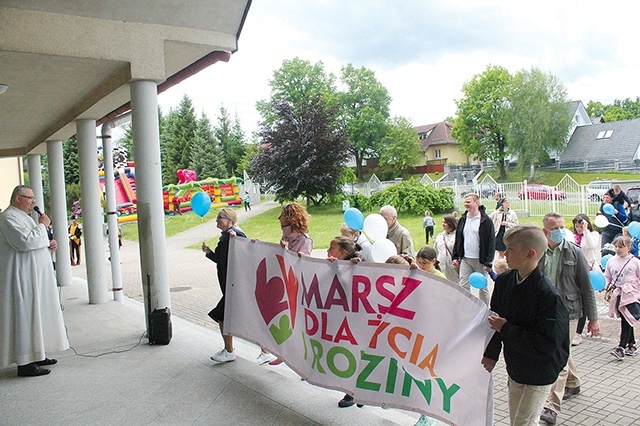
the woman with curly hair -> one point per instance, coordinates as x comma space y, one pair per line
294, 221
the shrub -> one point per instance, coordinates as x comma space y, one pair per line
359, 201
412, 197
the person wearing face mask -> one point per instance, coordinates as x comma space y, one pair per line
568, 270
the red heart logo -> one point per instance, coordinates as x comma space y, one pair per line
269, 293
291, 284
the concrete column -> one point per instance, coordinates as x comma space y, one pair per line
34, 167
151, 230
91, 211
112, 217
55, 161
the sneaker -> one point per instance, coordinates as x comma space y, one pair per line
224, 356
618, 352
425, 421
265, 358
631, 350
276, 361
570, 392
577, 339
549, 416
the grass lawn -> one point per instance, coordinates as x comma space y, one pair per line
553, 178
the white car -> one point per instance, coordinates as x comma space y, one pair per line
597, 188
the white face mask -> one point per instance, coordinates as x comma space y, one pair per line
557, 235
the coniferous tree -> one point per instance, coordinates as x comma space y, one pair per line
177, 142
207, 158
231, 139
70, 156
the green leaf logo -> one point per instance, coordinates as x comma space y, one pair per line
282, 333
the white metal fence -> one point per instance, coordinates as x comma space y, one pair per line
567, 198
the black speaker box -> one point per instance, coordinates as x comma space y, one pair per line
160, 331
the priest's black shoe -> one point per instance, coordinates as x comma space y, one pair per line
47, 361
32, 370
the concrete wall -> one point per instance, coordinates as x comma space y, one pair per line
10, 177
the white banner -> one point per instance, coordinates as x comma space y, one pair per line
387, 335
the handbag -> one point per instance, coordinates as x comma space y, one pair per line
608, 292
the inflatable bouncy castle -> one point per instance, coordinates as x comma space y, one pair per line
177, 198
125, 189
223, 192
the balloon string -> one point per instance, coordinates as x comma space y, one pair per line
203, 229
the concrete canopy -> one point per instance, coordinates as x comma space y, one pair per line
64, 61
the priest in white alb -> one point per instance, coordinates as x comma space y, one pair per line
31, 322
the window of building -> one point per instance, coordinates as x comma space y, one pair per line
425, 134
604, 134
438, 154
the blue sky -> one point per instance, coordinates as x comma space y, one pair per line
423, 50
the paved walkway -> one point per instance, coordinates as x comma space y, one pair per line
176, 384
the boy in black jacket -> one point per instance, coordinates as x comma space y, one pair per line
532, 323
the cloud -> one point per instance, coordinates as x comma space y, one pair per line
424, 50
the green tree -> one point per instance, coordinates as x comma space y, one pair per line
365, 110
70, 157
481, 123
231, 139
538, 115
297, 82
176, 141
126, 141
595, 109
400, 148
626, 109
251, 150
304, 152
207, 158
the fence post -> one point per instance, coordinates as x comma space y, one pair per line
525, 194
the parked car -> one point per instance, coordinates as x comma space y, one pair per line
597, 188
633, 193
484, 190
536, 191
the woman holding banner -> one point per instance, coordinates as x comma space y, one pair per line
294, 221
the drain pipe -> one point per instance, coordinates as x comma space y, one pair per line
112, 217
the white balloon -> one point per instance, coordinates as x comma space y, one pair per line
375, 227
382, 250
601, 221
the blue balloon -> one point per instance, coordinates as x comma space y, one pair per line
605, 259
478, 280
634, 229
608, 209
597, 280
200, 203
354, 219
